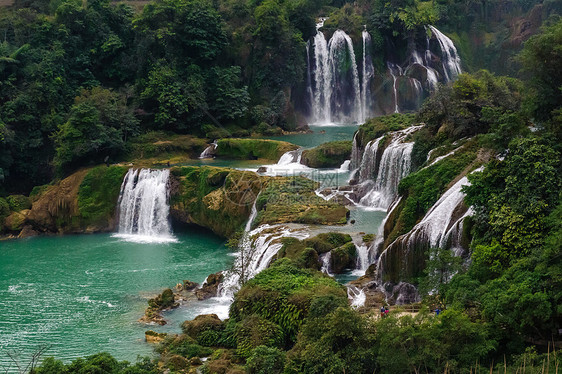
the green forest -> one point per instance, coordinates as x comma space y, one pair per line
85, 83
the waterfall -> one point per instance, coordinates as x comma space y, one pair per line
258, 247
395, 164
143, 206
368, 72
321, 105
326, 259
334, 85
394, 71
449, 57
309, 91
288, 164
441, 227
209, 152
369, 162
341, 51
363, 255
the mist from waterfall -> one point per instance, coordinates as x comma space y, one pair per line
143, 206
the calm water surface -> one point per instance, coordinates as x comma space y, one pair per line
83, 294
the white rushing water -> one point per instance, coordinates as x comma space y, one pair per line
209, 152
335, 93
356, 296
395, 164
449, 58
368, 72
341, 50
257, 249
143, 206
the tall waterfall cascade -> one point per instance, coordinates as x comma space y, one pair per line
341, 85
381, 173
441, 227
143, 206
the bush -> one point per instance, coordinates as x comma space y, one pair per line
266, 360
255, 331
202, 323
18, 202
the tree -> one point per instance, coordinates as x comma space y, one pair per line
98, 127
539, 58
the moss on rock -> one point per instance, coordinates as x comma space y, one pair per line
293, 199
98, 195
253, 149
343, 257
327, 155
217, 198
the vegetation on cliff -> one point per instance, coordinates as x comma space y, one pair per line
253, 149
327, 155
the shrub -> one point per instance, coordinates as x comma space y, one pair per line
18, 202
266, 360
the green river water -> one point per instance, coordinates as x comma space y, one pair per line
84, 294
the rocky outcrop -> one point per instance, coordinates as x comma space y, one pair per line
221, 199
82, 202
210, 286
154, 337
252, 149
327, 155
165, 301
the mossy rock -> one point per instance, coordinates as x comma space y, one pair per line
15, 221
253, 149
18, 202
302, 256
327, 155
220, 199
98, 196
282, 294
325, 242
163, 301
343, 258
161, 145
378, 126
293, 199
201, 323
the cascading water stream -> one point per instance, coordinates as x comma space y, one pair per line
394, 71
209, 152
143, 206
450, 58
341, 51
322, 107
395, 164
368, 72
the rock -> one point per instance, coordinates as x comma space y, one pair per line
189, 285
262, 169
16, 220
195, 361
210, 287
327, 155
343, 258
166, 300
177, 362
27, 232
154, 337
202, 323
